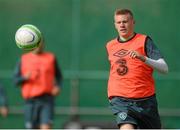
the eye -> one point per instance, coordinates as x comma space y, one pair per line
118, 22
124, 21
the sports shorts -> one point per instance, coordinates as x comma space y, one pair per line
142, 113
39, 110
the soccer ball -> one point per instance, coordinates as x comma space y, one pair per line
28, 37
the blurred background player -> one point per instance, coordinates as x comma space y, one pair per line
40, 79
3, 102
131, 88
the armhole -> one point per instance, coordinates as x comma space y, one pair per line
145, 45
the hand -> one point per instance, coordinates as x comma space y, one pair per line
27, 75
4, 111
134, 54
55, 91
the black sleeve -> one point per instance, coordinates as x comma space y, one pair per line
17, 77
151, 49
3, 97
58, 74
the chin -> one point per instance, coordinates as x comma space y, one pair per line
124, 35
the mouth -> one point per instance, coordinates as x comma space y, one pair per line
122, 30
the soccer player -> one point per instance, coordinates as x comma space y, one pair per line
40, 79
131, 88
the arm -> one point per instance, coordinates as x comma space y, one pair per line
18, 78
58, 80
154, 58
160, 65
3, 98
3, 102
58, 74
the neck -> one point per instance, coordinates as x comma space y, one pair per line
126, 38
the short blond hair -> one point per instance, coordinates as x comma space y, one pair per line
123, 11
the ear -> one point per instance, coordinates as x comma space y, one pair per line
114, 24
134, 22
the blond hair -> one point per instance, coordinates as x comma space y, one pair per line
123, 12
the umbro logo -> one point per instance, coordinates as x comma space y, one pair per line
122, 115
121, 53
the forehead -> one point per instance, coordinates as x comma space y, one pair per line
122, 17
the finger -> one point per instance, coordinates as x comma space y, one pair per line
132, 54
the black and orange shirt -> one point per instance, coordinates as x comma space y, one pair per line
129, 77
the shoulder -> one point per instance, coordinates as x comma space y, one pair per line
111, 43
141, 35
49, 55
149, 41
26, 54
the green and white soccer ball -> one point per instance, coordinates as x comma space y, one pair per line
28, 37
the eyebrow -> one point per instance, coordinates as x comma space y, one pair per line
122, 21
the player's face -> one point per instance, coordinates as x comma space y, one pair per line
124, 25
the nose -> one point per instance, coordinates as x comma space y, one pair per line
121, 24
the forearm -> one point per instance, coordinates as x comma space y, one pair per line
3, 97
58, 74
3, 101
160, 65
17, 77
